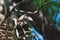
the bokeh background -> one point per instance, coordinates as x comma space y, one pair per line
51, 11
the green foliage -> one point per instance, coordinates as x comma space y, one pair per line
40, 2
37, 2
53, 7
49, 10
